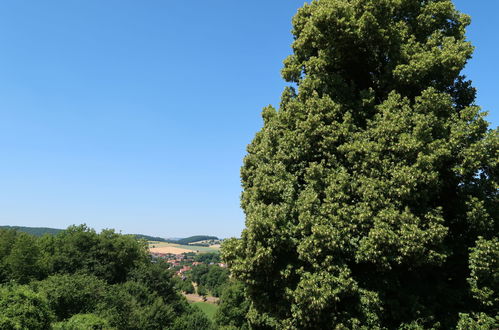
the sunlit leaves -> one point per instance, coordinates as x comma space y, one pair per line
366, 189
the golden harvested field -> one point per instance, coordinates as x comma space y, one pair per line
164, 247
169, 249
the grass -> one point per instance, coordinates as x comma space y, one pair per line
207, 308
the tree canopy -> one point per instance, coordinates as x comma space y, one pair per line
233, 307
371, 194
21, 308
80, 279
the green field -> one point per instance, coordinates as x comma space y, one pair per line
207, 308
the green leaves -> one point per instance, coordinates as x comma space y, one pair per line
233, 307
484, 277
366, 189
21, 308
71, 294
85, 280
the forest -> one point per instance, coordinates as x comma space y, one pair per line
80, 279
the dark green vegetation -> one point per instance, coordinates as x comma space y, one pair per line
184, 285
79, 279
233, 308
192, 239
210, 278
40, 231
208, 258
371, 194
36, 231
149, 238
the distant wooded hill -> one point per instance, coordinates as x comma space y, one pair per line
36, 231
39, 231
185, 241
150, 238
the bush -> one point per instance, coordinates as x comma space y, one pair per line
22, 308
194, 320
83, 322
68, 295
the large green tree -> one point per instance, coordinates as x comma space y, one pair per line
107, 255
68, 295
371, 194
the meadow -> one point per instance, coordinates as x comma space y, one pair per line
208, 308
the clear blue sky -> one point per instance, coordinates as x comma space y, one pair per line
135, 115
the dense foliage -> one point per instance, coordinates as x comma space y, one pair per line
210, 278
371, 194
208, 258
184, 285
21, 308
80, 279
233, 308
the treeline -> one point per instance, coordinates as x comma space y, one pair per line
36, 231
80, 279
149, 238
208, 258
40, 231
192, 239
210, 280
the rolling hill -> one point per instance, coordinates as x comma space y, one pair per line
39, 231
